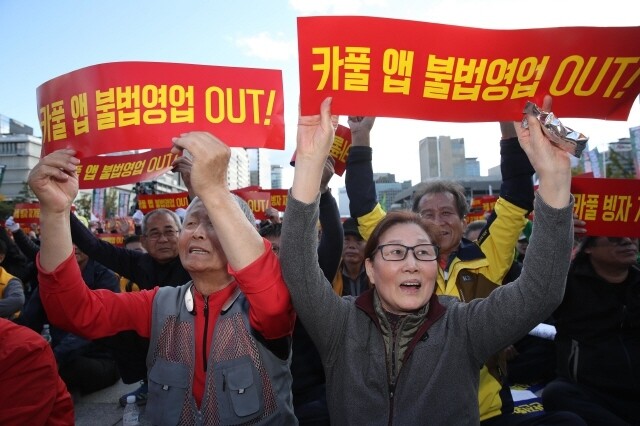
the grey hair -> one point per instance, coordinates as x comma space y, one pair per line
241, 203
148, 216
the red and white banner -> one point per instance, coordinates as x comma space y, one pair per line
409, 69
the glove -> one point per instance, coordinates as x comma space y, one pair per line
12, 225
137, 217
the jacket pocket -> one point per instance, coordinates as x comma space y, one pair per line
240, 399
168, 391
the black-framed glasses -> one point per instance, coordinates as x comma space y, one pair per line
168, 234
397, 252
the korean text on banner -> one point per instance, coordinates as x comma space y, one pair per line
611, 207
125, 106
409, 69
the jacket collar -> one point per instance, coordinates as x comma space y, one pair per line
436, 310
468, 250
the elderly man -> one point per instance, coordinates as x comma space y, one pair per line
220, 344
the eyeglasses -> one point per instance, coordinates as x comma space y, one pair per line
168, 234
397, 252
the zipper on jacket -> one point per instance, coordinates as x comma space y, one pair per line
206, 332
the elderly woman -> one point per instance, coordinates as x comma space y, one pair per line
399, 354
220, 344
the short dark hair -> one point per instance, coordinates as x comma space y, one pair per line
170, 213
3, 246
397, 217
131, 239
476, 225
443, 186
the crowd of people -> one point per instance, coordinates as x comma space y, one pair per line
401, 317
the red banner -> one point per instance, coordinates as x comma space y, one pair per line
172, 201
278, 198
258, 201
611, 207
126, 106
409, 69
115, 239
339, 150
112, 170
26, 213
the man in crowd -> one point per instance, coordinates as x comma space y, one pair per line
158, 266
351, 279
598, 335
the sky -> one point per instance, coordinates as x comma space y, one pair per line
40, 40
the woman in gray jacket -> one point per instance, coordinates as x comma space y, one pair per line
399, 354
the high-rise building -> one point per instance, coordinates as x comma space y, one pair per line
238, 171
259, 167
19, 153
386, 191
442, 157
276, 176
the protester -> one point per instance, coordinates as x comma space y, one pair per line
85, 366
15, 261
351, 279
309, 388
159, 265
473, 229
220, 344
399, 352
598, 335
33, 393
467, 269
131, 242
11, 290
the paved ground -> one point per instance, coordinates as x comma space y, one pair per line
101, 408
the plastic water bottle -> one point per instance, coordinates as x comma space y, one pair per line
46, 333
131, 414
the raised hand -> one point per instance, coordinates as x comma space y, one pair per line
327, 173
55, 182
360, 129
315, 136
183, 166
551, 163
210, 160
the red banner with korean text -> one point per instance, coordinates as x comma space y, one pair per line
125, 106
26, 213
105, 171
115, 239
278, 198
409, 69
258, 201
481, 207
339, 150
171, 201
611, 207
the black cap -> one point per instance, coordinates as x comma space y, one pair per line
350, 227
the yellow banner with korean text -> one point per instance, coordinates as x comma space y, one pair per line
409, 69
611, 207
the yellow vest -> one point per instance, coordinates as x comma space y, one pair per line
5, 277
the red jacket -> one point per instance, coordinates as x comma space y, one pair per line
32, 392
93, 314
